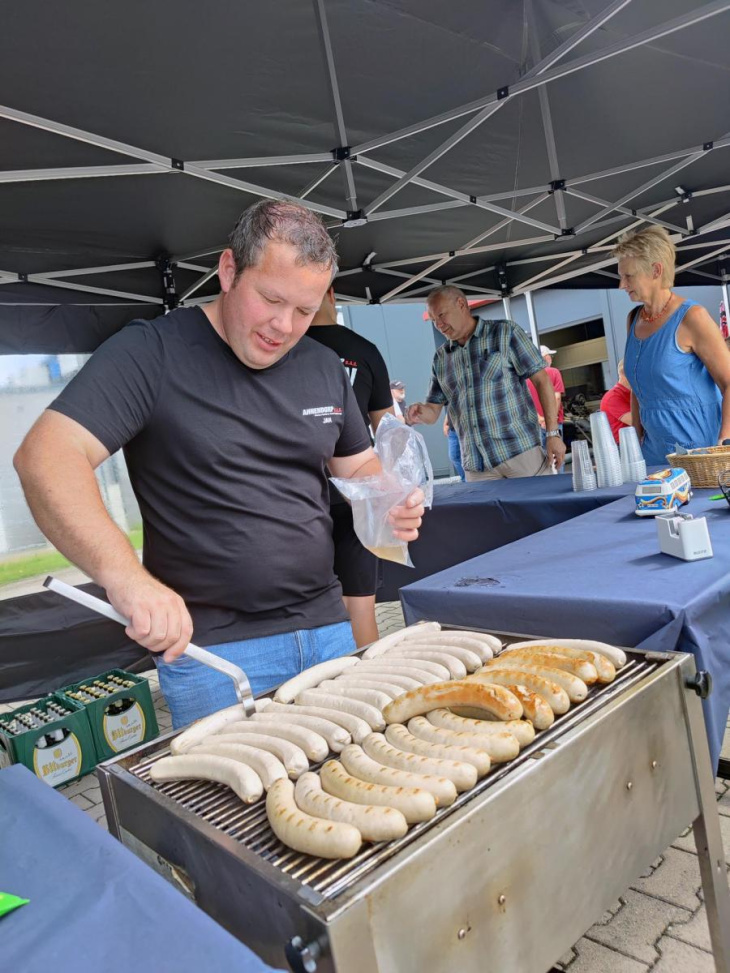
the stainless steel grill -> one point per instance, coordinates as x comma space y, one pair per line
576, 817
248, 824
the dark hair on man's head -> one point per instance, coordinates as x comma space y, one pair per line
286, 222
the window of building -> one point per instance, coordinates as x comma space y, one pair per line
28, 384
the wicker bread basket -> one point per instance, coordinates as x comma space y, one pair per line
703, 465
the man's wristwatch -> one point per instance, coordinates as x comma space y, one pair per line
552, 432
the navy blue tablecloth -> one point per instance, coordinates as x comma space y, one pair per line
469, 519
600, 576
93, 905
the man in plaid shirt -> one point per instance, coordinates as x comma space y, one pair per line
480, 375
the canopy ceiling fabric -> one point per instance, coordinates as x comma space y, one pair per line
501, 144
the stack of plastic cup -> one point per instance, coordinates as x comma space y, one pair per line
582, 465
605, 451
633, 465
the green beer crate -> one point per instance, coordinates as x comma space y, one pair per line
51, 737
120, 710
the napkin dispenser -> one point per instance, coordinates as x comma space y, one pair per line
684, 536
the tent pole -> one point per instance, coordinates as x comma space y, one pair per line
341, 132
639, 190
704, 258
533, 321
579, 194
464, 197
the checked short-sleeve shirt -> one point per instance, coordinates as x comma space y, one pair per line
483, 386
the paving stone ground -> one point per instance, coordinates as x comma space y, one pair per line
658, 925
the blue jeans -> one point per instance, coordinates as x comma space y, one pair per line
193, 690
455, 453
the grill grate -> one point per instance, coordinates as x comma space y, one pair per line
248, 824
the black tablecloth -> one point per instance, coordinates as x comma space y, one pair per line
47, 642
469, 519
93, 905
600, 576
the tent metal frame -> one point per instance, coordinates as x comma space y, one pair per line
348, 158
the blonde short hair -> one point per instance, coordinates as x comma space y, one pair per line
649, 246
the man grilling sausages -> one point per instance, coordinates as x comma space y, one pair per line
229, 419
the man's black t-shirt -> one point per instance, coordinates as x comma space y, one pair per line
365, 369
363, 363
228, 466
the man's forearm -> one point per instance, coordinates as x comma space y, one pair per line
371, 467
546, 394
70, 512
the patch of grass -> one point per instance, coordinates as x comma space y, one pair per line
20, 567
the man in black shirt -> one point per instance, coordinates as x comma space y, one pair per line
228, 417
355, 566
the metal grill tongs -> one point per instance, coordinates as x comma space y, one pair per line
234, 672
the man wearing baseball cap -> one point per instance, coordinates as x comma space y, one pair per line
398, 391
558, 387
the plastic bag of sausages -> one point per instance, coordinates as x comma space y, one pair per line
406, 465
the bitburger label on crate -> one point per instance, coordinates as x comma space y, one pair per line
126, 728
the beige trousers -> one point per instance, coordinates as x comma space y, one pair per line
533, 462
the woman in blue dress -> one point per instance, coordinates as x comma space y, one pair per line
676, 359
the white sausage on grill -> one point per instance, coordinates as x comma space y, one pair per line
342, 686
575, 688
553, 694
384, 677
375, 697
582, 668
461, 640
462, 775
310, 677
494, 700
313, 744
357, 763
363, 711
521, 730
373, 822
304, 833
535, 708
416, 667
611, 652
245, 782
469, 660
604, 667
265, 764
453, 665
293, 757
501, 746
403, 634
415, 804
398, 736
202, 728
334, 734
355, 727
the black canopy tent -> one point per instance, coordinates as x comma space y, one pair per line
502, 145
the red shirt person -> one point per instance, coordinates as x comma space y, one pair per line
616, 403
558, 386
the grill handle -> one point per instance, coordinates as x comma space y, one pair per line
234, 672
302, 957
701, 683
